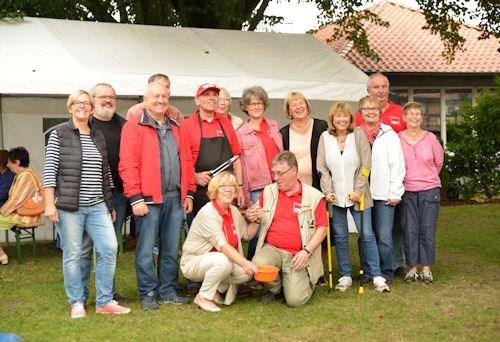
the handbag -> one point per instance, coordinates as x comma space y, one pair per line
35, 205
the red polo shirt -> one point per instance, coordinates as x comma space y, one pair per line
270, 147
210, 130
392, 116
284, 232
227, 225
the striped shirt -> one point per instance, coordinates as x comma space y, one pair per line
91, 180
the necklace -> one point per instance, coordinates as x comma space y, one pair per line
301, 130
341, 141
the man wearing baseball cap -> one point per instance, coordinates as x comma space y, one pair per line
212, 141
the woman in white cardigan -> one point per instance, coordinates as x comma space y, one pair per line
343, 163
386, 181
212, 252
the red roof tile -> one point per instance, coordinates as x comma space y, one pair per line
406, 47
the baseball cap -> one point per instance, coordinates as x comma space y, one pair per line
207, 86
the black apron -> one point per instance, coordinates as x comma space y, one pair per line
212, 153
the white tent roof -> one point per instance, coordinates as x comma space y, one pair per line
50, 56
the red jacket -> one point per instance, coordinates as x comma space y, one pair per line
140, 161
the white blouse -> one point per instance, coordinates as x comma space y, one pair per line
343, 167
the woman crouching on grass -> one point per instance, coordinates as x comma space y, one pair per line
212, 252
424, 157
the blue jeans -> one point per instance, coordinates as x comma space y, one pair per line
252, 244
166, 219
120, 202
95, 222
383, 222
341, 236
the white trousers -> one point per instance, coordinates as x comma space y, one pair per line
216, 272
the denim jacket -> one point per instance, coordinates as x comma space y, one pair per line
256, 173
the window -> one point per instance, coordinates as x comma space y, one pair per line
453, 100
399, 96
48, 124
429, 98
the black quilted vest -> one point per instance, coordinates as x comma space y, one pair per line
67, 192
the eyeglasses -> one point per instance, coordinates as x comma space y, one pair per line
228, 187
256, 104
82, 103
281, 173
367, 109
106, 97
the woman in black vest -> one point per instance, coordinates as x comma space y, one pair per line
301, 136
77, 186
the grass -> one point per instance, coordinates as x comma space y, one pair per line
462, 304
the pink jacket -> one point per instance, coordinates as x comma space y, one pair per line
255, 169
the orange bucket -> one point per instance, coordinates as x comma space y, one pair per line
266, 274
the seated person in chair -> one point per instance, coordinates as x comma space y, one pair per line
6, 177
26, 185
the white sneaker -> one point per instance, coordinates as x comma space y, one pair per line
380, 284
344, 284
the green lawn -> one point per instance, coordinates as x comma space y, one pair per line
462, 304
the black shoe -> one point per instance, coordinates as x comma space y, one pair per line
149, 301
366, 278
118, 298
244, 291
176, 300
321, 281
193, 288
400, 272
271, 297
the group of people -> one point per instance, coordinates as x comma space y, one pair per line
166, 167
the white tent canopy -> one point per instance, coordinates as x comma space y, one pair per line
44, 60
50, 56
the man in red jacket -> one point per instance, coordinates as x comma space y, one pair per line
158, 178
172, 112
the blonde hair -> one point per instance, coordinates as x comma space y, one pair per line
340, 107
225, 177
413, 105
369, 99
295, 95
225, 92
72, 98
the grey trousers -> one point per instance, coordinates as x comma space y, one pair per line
420, 213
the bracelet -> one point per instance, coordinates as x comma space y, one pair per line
307, 251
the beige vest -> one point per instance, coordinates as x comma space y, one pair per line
310, 200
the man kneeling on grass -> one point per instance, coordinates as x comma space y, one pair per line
293, 224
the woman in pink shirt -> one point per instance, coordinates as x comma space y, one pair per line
260, 142
424, 159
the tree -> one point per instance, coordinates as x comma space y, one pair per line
473, 149
443, 16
